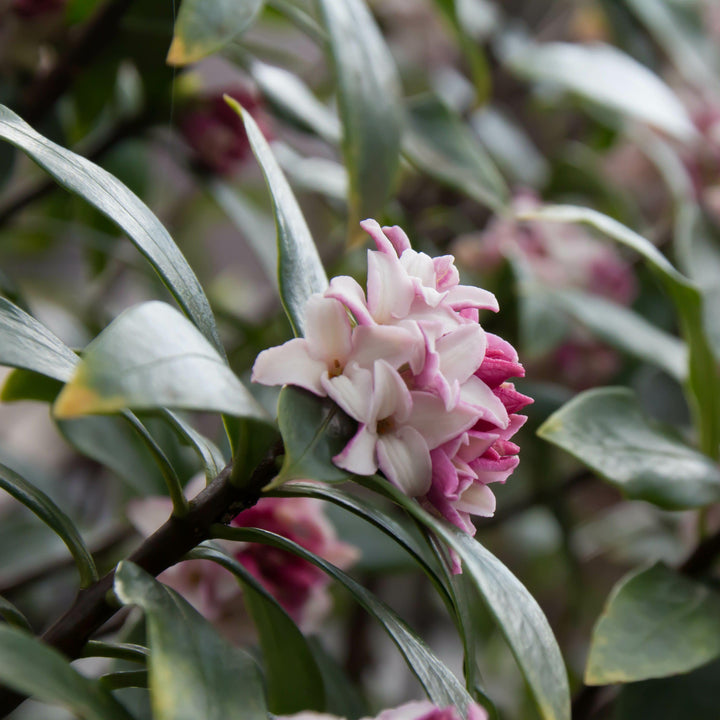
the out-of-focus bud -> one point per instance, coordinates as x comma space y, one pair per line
37, 8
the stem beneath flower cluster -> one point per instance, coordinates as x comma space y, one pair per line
218, 503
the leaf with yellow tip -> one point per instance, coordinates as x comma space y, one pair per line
153, 357
205, 26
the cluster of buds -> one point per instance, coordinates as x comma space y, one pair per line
299, 586
420, 710
412, 365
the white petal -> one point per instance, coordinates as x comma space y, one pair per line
390, 394
469, 296
437, 425
405, 459
390, 290
352, 391
475, 392
328, 330
348, 291
394, 344
478, 499
461, 352
358, 456
419, 265
290, 364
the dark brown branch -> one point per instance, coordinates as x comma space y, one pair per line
90, 41
219, 502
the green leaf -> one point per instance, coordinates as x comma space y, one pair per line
194, 673
44, 508
518, 615
151, 357
21, 384
32, 668
625, 329
370, 109
293, 679
703, 378
314, 430
112, 442
300, 270
209, 453
692, 695
438, 142
205, 26
26, 343
606, 430
113, 199
119, 651
607, 76
12, 616
441, 686
656, 623
294, 98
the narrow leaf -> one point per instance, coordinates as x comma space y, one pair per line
703, 378
26, 343
656, 623
32, 668
607, 76
294, 682
625, 329
516, 612
194, 673
41, 505
369, 100
112, 198
439, 143
152, 357
300, 270
205, 26
212, 457
441, 686
12, 616
606, 430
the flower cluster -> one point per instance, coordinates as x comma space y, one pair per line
299, 586
420, 710
411, 364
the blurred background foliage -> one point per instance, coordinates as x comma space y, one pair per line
608, 104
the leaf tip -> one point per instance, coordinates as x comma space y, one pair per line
74, 400
178, 54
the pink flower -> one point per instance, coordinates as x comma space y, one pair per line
299, 586
419, 710
216, 133
411, 364
36, 8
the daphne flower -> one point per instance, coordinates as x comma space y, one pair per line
420, 710
299, 586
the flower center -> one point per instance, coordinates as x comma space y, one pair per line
336, 368
386, 425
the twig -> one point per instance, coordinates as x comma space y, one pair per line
219, 502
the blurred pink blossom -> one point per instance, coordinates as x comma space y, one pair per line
300, 587
36, 8
418, 710
410, 362
215, 131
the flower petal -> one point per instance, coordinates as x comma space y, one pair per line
434, 423
348, 291
358, 456
390, 394
394, 344
290, 364
328, 330
352, 391
382, 242
398, 238
469, 296
476, 393
478, 499
461, 352
405, 459
390, 290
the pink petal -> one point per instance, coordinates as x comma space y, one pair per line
468, 296
390, 291
290, 364
382, 242
398, 238
352, 296
461, 352
358, 456
390, 394
436, 425
446, 274
477, 394
352, 391
328, 330
420, 265
393, 343
405, 459
477, 500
